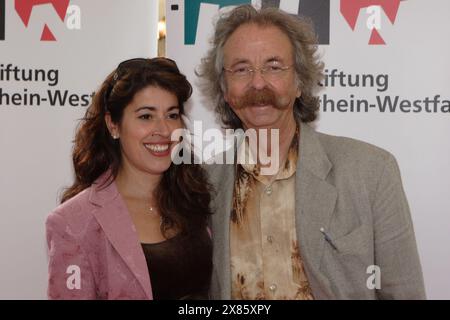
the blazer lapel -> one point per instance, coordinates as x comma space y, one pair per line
112, 215
221, 229
314, 202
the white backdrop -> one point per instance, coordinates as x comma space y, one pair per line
35, 138
413, 64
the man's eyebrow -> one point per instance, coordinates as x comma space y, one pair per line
268, 60
275, 59
238, 61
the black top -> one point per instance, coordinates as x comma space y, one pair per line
180, 267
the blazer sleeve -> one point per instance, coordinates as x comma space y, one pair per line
395, 245
69, 272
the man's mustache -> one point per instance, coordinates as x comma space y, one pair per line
261, 97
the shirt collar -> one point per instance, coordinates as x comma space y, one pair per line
247, 161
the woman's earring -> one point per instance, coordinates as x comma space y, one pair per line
115, 137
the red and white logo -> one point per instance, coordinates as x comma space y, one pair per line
68, 14
350, 10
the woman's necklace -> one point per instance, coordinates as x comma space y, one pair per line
152, 211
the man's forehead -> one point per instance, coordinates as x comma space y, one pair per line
251, 41
255, 32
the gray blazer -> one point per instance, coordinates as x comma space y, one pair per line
354, 191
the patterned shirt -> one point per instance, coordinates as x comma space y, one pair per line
265, 256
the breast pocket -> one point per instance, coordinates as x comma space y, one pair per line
356, 242
346, 264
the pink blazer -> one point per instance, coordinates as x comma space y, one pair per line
94, 249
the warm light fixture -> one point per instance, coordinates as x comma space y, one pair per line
162, 29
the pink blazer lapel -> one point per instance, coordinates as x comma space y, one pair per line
112, 215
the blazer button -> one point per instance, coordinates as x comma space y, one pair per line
273, 287
269, 190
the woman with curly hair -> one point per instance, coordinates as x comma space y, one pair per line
133, 225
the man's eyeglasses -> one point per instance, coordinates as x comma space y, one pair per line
269, 72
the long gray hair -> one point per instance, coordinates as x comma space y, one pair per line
308, 67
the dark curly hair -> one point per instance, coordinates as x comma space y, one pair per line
183, 194
308, 67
